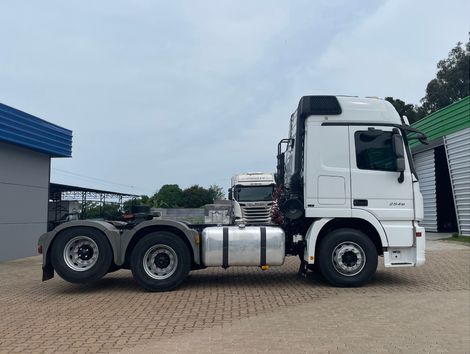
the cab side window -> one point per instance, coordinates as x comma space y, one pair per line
374, 150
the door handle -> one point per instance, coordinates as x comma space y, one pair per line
360, 202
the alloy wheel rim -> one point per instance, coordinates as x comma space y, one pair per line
81, 253
160, 262
348, 258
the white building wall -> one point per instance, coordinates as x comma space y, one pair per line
24, 187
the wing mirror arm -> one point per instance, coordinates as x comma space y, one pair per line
423, 139
401, 178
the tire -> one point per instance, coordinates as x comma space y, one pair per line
81, 255
160, 261
347, 258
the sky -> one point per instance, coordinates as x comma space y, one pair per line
193, 92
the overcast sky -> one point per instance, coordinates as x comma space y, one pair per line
184, 92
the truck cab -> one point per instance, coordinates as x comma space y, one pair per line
252, 196
347, 164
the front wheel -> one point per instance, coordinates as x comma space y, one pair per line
347, 258
160, 261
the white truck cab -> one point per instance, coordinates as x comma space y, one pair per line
252, 196
347, 163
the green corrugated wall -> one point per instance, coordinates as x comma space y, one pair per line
446, 121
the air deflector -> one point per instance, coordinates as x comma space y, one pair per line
308, 106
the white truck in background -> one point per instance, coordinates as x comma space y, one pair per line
252, 197
347, 193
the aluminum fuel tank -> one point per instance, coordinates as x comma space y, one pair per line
243, 246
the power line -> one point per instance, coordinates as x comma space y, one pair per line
93, 178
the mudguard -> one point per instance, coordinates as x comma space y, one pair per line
118, 239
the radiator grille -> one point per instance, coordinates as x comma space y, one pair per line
256, 213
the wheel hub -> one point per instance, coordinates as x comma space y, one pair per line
348, 258
85, 252
162, 260
81, 253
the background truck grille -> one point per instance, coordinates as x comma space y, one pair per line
256, 214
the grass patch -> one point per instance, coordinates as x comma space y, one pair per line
459, 238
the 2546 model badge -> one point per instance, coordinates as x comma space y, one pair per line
396, 204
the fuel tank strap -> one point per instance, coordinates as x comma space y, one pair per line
225, 247
262, 258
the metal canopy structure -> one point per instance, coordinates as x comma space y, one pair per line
59, 193
67, 192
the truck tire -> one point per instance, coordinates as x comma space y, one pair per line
347, 258
81, 255
160, 261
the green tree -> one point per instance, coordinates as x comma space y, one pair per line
450, 85
217, 192
404, 109
452, 80
109, 211
196, 197
169, 196
143, 200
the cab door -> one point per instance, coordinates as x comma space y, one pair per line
376, 185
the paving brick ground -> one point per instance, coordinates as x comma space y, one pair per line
242, 310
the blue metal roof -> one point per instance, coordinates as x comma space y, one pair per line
26, 130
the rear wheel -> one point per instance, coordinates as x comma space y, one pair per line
81, 255
160, 261
347, 258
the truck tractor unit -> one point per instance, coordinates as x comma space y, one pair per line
252, 197
346, 194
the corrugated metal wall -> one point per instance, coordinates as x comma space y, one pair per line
28, 131
425, 167
445, 121
458, 157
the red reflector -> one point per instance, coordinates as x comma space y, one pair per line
419, 234
40, 249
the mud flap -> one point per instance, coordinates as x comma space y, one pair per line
47, 272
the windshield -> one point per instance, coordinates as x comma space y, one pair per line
254, 194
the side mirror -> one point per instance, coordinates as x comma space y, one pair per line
399, 151
397, 142
230, 194
400, 164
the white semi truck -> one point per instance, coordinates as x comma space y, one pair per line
252, 197
347, 194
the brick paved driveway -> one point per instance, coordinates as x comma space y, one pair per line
242, 310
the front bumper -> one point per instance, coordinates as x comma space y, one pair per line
414, 256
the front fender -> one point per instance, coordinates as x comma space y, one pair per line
317, 226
